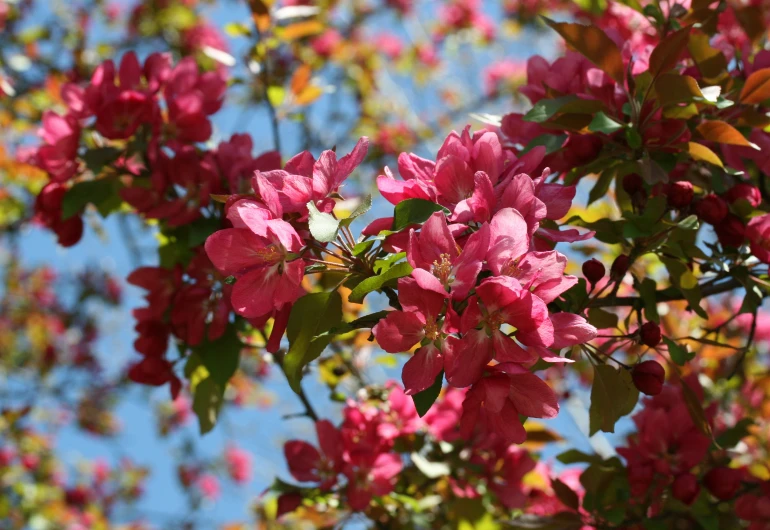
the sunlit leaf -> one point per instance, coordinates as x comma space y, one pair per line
594, 44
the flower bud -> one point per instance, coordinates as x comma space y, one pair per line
723, 482
685, 488
649, 377
593, 270
633, 183
744, 191
619, 267
70, 231
711, 208
288, 502
731, 231
680, 194
649, 333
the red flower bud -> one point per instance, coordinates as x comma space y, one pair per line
711, 208
70, 231
649, 333
685, 488
77, 496
680, 194
723, 482
633, 183
619, 267
649, 377
288, 502
593, 270
744, 191
731, 231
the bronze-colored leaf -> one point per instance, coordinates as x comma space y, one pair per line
594, 44
711, 63
672, 88
667, 53
723, 133
757, 87
300, 79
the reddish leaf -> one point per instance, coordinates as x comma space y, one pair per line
666, 54
673, 88
723, 133
594, 44
757, 87
695, 409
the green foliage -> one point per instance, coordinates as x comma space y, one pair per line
613, 395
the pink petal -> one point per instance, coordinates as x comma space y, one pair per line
570, 329
421, 370
466, 358
399, 331
533, 397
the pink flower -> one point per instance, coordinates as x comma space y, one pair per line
758, 233
500, 73
375, 478
208, 485
258, 252
497, 301
420, 320
495, 402
58, 155
304, 179
191, 97
307, 464
439, 264
238, 464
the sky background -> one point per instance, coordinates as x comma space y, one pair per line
260, 431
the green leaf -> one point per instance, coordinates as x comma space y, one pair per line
547, 108
604, 124
648, 292
551, 142
363, 247
678, 354
613, 395
207, 402
602, 185
565, 494
414, 211
424, 400
200, 229
689, 223
94, 192
633, 138
323, 226
602, 319
311, 315
573, 456
735, 434
375, 283
98, 157
366, 321
683, 279
360, 210
221, 357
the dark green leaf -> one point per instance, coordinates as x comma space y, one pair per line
613, 395
678, 354
695, 408
94, 192
375, 283
362, 208
604, 124
602, 185
648, 292
414, 211
207, 401
221, 356
98, 157
424, 400
547, 108
565, 494
735, 434
573, 456
311, 315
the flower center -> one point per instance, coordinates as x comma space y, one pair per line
495, 320
443, 269
431, 330
268, 254
511, 268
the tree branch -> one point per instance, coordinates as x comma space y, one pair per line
664, 296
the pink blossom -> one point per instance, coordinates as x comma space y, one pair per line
238, 464
439, 264
208, 485
258, 251
421, 320
307, 464
758, 233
